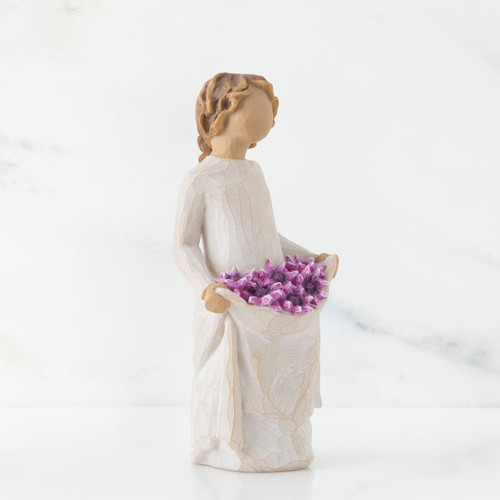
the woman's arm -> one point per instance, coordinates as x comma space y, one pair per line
188, 226
292, 249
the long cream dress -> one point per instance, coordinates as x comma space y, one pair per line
256, 372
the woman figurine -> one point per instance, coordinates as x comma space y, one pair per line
256, 371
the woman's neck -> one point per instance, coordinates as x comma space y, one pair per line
222, 147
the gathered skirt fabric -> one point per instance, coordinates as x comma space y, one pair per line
255, 386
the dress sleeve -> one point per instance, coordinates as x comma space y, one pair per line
188, 227
290, 248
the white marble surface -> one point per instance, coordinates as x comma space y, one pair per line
132, 453
388, 125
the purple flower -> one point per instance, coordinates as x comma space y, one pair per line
265, 295
280, 274
311, 280
235, 275
294, 286
296, 263
296, 300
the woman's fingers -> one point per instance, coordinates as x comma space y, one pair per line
333, 266
216, 304
321, 257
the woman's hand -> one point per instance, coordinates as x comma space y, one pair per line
214, 302
321, 257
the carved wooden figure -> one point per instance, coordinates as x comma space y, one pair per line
256, 371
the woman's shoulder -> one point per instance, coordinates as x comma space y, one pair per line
212, 170
208, 167
195, 172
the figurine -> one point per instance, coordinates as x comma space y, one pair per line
256, 371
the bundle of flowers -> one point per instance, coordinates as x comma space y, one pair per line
294, 286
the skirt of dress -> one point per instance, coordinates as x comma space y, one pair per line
255, 386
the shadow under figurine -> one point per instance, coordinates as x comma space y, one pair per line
256, 367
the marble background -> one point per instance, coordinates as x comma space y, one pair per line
386, 151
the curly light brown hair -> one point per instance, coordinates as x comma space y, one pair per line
220, 97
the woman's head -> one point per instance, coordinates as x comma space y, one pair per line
225, 93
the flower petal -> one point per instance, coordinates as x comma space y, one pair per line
266, 300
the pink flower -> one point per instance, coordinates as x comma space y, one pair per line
280, 274
294, 286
